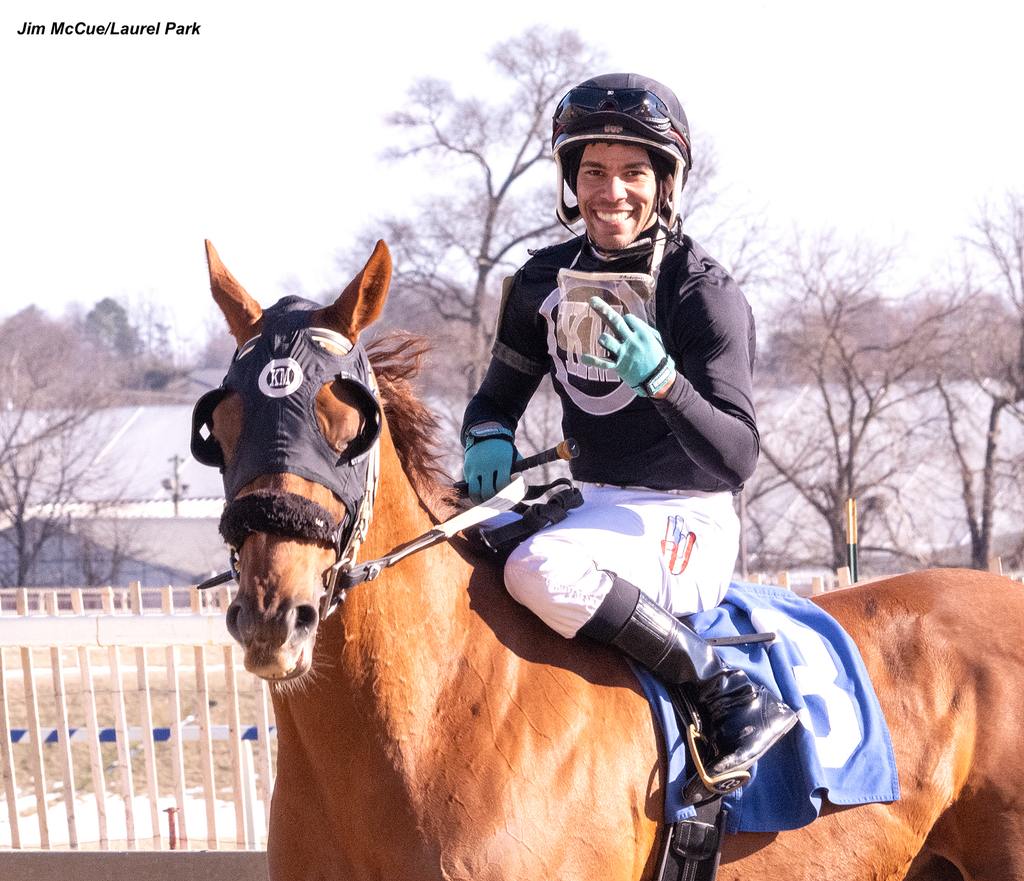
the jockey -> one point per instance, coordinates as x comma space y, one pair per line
650, 346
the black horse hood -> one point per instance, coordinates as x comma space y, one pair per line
278, 375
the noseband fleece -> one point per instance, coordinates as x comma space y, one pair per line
280, 513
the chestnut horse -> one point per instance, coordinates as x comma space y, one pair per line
438, 731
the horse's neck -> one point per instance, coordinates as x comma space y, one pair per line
439, 705
403, 633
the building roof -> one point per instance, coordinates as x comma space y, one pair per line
134, 450
120, 550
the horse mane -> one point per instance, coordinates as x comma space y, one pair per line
396, 359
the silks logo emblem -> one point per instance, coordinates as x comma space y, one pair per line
677, 545
280, 377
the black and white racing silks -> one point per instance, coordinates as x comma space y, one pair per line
702, 436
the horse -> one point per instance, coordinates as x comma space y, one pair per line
433, 729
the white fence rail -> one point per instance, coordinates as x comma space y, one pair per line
92, 597
130, 728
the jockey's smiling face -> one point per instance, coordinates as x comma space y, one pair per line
617, 193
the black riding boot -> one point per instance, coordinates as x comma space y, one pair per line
746, 719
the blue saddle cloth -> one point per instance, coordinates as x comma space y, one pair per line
840, 750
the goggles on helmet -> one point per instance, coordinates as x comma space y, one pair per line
639, 104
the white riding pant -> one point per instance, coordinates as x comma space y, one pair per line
678, 548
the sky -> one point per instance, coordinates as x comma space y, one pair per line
891, 121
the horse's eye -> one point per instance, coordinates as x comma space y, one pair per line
227, 424
340, 417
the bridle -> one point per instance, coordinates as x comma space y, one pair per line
259, 512
278, 375
346, 573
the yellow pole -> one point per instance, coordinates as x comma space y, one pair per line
851, 538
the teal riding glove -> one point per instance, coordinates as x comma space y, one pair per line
487, 461
637, 353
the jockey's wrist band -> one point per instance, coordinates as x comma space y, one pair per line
486, 431
658, 378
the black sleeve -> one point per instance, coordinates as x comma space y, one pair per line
518, 363
519, 338
502, 397
710, 407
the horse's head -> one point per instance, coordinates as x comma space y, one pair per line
294, 430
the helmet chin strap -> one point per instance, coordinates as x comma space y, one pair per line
676, 198
567, 214
657, 245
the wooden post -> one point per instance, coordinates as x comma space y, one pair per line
817, 586
88, 695
249, 797
7, 756
146, 704
124, 752
172, 832
177, 753
235, 735
63, 728
995, 564
32, 708
263, 726
843, 576
203, 718
743, 561
782, 579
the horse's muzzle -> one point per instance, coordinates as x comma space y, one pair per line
278, 642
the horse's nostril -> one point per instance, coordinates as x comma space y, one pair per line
234, 610
306, 617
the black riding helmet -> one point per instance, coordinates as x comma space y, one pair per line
623, 107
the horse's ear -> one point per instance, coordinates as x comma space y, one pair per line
360, 304
242, 312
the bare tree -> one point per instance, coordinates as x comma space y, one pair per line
989, 365
850, 364
46, 463
103, 546
733, 231
496, 199
54, 385
161, 358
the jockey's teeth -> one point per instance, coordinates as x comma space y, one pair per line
612, 216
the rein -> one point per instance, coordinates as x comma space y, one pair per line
265, 510
291, 515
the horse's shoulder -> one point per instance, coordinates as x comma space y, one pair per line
572, 677
519, 632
